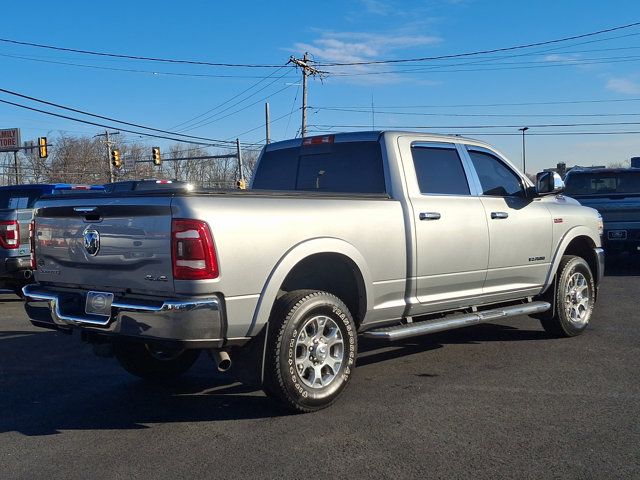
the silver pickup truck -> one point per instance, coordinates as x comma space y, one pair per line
385, 234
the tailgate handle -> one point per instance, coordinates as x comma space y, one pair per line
85, 210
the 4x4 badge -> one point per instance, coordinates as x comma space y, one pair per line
91, 241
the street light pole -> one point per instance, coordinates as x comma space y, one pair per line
524, 154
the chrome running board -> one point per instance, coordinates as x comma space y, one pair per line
399, 332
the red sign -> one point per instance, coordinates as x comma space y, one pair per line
10, 140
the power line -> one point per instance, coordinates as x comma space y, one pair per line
208, 117
209, 122
480, 52
459, 127
578, 133
57, 105
129, 70
519, 104
138, 57
73, 119
515, 115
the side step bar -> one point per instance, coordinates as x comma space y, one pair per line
399, 332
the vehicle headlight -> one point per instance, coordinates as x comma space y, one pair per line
600, 225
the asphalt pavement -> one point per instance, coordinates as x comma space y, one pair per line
494, 401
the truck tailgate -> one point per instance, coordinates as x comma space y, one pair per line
118, 244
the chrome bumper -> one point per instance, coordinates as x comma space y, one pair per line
600, 257
196, 322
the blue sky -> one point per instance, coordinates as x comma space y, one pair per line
166, 96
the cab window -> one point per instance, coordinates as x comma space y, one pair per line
496, 179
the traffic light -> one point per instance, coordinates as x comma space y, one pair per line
241, 184
42, 147
116, 161
155, 155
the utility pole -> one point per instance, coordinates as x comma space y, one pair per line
266, 122
15, 164
306, 71
107, 140
239, 153
524, 155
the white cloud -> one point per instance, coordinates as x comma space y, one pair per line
377, 7
626, 86
562, 58
355, 47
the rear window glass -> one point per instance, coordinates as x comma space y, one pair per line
348, 167
597, 183
19, 197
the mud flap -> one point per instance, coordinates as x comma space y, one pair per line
548, 296
248, 360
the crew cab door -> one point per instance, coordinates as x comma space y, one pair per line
520, 227
451, 233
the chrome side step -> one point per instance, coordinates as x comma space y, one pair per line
399, 332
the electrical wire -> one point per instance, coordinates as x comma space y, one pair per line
83, 112
459, 127
102, 125
138, 57
479, 52
514, 115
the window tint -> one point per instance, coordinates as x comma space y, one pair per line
341, 167
496, 178
439, 171
596, 183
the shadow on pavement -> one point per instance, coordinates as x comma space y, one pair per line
50, 383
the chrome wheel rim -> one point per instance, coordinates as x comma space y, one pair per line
319, 352
577, 299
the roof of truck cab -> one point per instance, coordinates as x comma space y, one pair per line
371, 136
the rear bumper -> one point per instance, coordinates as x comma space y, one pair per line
192, 323
12, 267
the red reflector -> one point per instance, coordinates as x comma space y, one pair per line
164, 182
9, 234
81, 187
319, 140
193, 252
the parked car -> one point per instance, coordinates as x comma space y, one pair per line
615, 193
153, 184
386, 234
16, 211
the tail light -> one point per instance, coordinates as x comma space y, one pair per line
32, 243
193, 252
9, 234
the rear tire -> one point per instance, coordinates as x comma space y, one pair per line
311, 350
574, 298
152, 363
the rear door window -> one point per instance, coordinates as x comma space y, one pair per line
439, 170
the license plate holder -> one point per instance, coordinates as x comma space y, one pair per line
98, 303
617, 234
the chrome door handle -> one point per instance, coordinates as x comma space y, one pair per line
429, 216
499, 215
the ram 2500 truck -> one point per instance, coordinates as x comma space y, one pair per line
385, 234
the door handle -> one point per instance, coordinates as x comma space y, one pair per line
499, 215
429, 216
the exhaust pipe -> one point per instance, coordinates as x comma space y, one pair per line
221, 359
27, 274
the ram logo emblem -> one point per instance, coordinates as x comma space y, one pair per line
91, 241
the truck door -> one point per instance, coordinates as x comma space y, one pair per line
451, 233
520, 227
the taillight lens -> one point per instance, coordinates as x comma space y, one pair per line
32, 243
9, 234
192, 250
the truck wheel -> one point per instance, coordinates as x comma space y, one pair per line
152, 362
574, 298
311, 350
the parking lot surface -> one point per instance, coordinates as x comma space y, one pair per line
501, 400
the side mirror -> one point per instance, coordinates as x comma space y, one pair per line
548, 183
